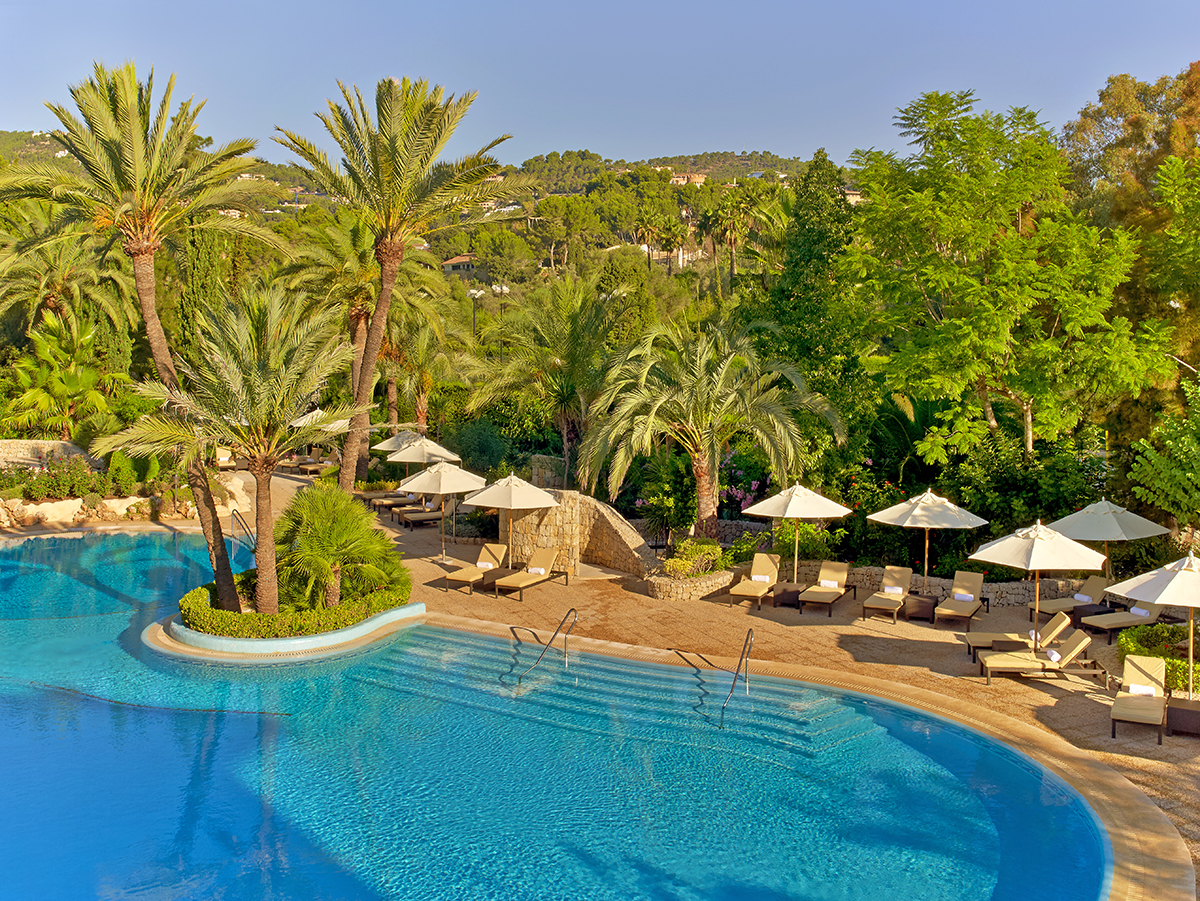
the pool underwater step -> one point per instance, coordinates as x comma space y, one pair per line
612, 697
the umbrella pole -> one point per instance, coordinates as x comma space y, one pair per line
1037, 609
926, 588
1191, 648
442, 524
1107, 562
796, 553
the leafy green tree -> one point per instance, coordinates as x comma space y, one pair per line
58, 387
558, 342
1166, 470
699, 385
392, 176
990, 291
263, 358
324, 537
140, 178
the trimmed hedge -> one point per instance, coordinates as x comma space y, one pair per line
1160, 640
198, 614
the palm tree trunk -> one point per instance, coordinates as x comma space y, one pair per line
333, 591
266, 592
206, 508
358, 341
706, 497
422, 411
565, 430
389, 254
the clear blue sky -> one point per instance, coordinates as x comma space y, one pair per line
628, 80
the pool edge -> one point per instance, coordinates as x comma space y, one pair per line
1150, 859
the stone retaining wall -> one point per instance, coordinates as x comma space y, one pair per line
584, 529
706, 586
546, 471
25, 452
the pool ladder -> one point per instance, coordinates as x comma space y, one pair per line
570, 613
236, 519
743, 660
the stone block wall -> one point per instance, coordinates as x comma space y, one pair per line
584, 529
730, 530
24, 452
706, 586
546, 471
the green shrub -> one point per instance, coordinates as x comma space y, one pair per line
694, 557
377, 485
1160, 640
808, 541
37, 489
92, 501
197, 613
120, 469
744, 548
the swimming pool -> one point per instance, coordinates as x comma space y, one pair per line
414, 771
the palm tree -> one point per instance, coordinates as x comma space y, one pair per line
559, 345
68, 271
672, 237
392, 176
420, 352
699, 385
262, 360
336, 266
58, 385
648, 229
324, 535
140, 177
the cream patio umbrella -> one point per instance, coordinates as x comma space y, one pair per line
928, 511
1036, 548
396, 442
1176, 584
797, 502
442, 479
1105, 521
423, 450
511, 493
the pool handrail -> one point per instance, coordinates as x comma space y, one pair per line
235, 517
566, 661
744, 659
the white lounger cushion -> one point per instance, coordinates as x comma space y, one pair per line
828, 583
892, 589
963, 596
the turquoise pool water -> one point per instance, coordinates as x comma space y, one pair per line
414, 771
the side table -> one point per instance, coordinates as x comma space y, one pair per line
1082, 610
787, 594
1183, 716
919, 606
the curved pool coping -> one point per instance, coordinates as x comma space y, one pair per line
170, 637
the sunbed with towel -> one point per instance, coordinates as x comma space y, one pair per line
486, 570
1143, 694
1066, 660
893, 591
1091, 593
764, 573
964, 601
540, 568
1137, 615
830, 587
984, 641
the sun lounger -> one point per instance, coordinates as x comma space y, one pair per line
540, 568
985, 641
487, 569
1143, 694
830, 587
964, 601
1091, 593
764, 573
1031, 663
892, 593
426, 516
225, 460
1115, 622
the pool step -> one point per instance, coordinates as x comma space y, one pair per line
606, 695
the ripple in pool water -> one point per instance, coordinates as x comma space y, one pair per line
414, 771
